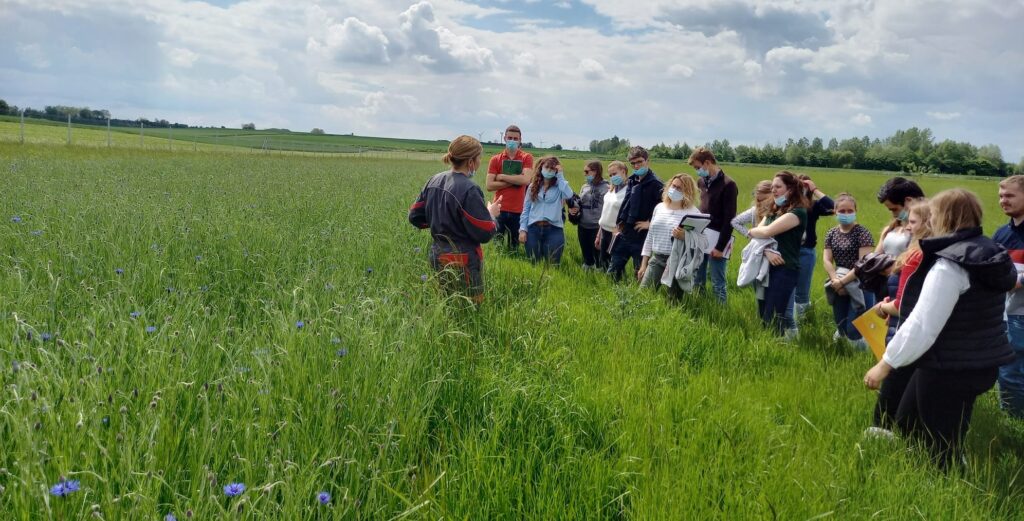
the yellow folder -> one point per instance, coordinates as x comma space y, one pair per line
873, 328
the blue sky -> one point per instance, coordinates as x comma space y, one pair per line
752, 71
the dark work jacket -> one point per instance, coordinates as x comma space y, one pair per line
974, 337
718, 199
453, 207
642, 195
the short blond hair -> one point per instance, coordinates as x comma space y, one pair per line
955, 209
1016, 181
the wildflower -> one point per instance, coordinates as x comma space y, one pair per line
151, 329
170, 289
45, 337
335, 340
369, 271
119, 271
234, 489
65, 487
135, 314
199, 258
423, 278
300, 324
323, 498
37, 233
16, 219
417, 249
341, 352
170, 517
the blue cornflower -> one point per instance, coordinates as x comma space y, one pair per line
170, 289
233, 489
170, 517
45, 337
204, 289
417, 249
335, 340
423, 278
65, 487
323, 498
151, 329
16, 219
37, 233
135, 314
300, 324
369, 270
119, 271
341, 352
199, 258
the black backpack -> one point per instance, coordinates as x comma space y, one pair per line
573, 202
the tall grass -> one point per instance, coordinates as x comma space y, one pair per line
565, 396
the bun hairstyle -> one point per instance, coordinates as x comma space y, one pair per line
462, 150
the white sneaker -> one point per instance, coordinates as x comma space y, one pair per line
836, 336
878, 433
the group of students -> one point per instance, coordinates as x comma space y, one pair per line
931, 258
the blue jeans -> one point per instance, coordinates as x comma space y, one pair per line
781, 284
623, 250
802, 295
1011, 375
508, 226
718, 267
844, 312
545, 242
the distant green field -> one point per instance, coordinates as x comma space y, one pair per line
171, 285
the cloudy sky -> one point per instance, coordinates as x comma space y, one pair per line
566, 71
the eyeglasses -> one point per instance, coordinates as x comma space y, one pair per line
637, 162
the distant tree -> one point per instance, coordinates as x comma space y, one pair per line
556, 146
248, 126
4, 107
317, 131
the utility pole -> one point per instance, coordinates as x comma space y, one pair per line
142, 131
22, 126
108, 132
69, 129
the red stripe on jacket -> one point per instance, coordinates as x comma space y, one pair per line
486, 225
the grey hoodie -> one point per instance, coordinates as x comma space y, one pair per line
591, 203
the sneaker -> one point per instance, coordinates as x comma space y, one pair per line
836, 336
791, 334
878, 433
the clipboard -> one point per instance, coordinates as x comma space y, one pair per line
873, 328
695, 222
511, 167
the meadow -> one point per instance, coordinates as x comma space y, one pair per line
175, 322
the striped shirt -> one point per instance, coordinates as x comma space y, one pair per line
659, 236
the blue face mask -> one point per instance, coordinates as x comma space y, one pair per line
512, 144
780, 200
846, 218
640, 172
548, 174
616, 180
703, 172
904, 215
590, 179
675, 195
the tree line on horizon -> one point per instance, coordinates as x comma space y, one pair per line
913, 150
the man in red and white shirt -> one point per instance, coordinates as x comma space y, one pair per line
511, 188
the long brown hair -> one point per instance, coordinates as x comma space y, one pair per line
795, 195
549, 161
597, 170
762, 208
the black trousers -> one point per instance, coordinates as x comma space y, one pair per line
591, 256
937, 406
889, 396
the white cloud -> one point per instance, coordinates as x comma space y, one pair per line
944, 116
33, 55
861, 119
180, 57
353, 40
680, 71
438, 47
592, 69
526, 64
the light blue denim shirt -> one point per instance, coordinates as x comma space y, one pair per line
548, 206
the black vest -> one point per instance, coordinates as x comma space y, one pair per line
974, 337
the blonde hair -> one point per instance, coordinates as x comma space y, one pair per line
689, 190
953, 210
923, 211
621, 167
1017, 181
846, 196
462, 150
762, 208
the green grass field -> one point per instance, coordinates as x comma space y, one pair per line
564, 397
